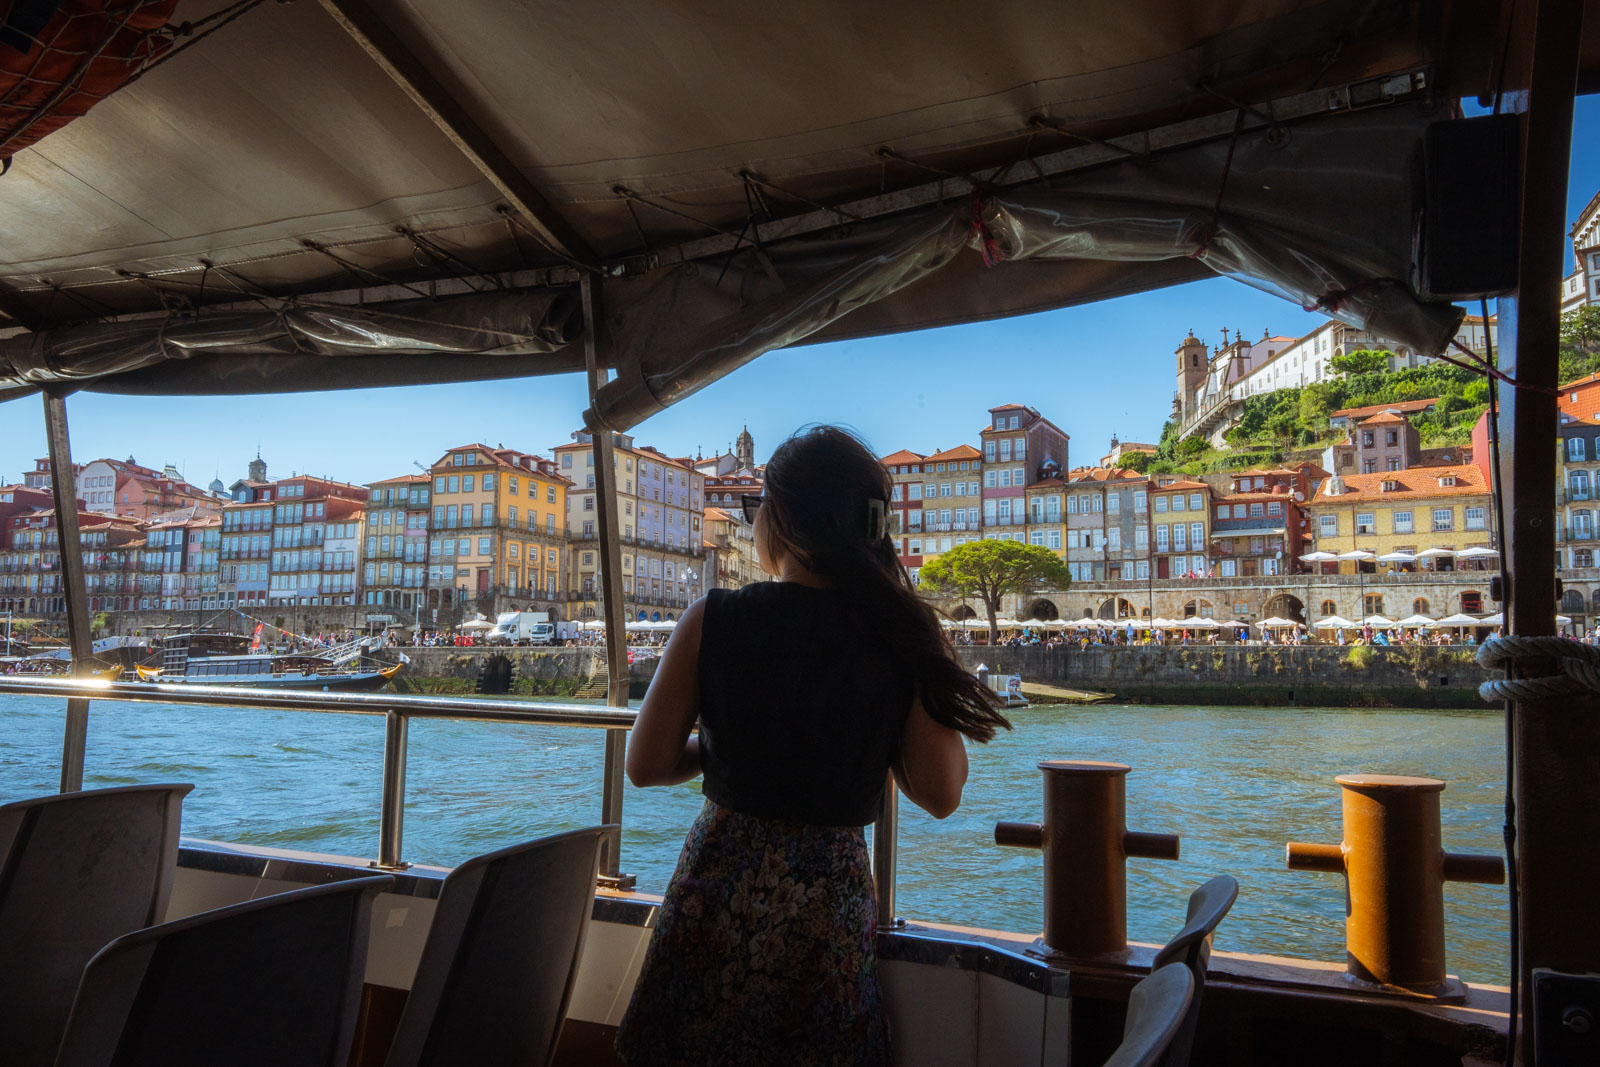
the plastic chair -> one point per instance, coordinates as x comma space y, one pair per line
1156, 1009
265, 983
1191, 947
498, 968
76, 870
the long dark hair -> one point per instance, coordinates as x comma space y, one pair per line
826, 500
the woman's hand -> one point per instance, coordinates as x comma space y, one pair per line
932, 768
660, 750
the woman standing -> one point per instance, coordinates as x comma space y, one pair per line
809, 690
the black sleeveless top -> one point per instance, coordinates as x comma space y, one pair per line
801, 712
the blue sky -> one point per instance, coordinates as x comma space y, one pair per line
1096, 370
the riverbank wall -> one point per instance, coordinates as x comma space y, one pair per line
1251, 675
530, 672
1254, 675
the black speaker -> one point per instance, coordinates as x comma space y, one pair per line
1467, 237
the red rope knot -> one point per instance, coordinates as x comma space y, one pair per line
987, 244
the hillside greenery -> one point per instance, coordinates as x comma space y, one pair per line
1292, 424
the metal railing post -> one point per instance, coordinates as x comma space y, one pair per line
884, 855
392, 811
607, 505
63, 487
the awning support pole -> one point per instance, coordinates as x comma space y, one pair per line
1557, 803
611, 605
63, 486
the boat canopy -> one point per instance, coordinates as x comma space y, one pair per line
351, 193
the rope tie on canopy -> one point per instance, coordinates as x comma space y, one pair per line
1215, 223
1577, 668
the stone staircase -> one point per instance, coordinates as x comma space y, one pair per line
598, 685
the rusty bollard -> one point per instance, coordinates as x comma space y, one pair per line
1395, 869
1086, 847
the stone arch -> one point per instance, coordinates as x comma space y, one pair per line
1572, 601
1286, 606
1198, 607
1419, 606
963, 611
1116, 608
1471, 601
1043, 610
1329, 608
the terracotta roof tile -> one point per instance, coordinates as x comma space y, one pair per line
1416, 482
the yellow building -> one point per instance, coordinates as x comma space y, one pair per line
1180, 521
952, 499
497, 537
1401, 511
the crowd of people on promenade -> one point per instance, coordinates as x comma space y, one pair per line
1131, 635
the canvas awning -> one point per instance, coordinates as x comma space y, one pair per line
740, 183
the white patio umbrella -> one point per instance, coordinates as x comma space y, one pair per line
663, 625
1197, 623
1435, 553
1497, 619
1318, 557
1336, 622
1360, 555
1412, 622
636, 625
1397, 557
1004, 623
1377, 622
1564, 620
1275, 623
1159, 623
476, 624
1459, 620
1478, 552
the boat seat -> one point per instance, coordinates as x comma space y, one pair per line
1156, 1009
76, 870
265, 983
1191, 947
498, 967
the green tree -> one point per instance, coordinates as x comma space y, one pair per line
1316, 404
992, 570
1138, 462
1361, 361
1283, 427
1191, 447
100, 623
1580, 343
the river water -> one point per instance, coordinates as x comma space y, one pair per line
1236, 783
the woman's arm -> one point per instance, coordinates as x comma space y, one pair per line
660, 750
932, 768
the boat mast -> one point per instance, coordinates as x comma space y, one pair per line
611, 605
1557, 816
73, 587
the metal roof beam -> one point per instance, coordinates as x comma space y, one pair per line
446, 112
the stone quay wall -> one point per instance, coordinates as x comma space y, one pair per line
1256, 675
534, 671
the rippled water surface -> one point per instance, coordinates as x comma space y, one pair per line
1236, 783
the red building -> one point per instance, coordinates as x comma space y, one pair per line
1020, 447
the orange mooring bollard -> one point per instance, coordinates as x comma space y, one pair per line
1395, 868
1086, 847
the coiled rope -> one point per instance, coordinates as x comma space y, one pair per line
1577, 665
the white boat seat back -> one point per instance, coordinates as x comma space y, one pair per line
266, 983
1156, 1008
76, 870
498, 967
1191, 946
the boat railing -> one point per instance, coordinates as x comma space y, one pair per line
396, 711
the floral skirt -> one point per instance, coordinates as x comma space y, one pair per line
765, 951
